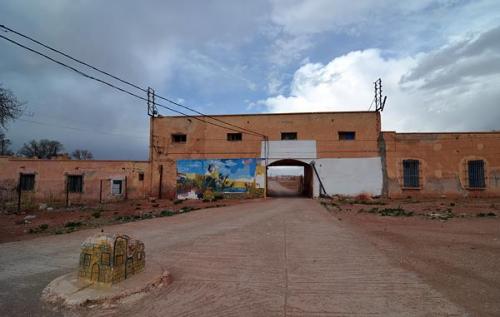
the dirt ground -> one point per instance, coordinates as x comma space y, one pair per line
291, 257
459, 256
32, 223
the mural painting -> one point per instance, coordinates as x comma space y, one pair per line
196, 178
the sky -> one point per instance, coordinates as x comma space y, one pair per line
439, 62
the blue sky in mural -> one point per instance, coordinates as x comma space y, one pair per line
439, 60
234, 168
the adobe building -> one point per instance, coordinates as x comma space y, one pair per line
342, 153
71, 181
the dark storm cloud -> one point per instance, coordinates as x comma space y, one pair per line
141, 41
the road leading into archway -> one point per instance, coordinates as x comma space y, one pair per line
280, 257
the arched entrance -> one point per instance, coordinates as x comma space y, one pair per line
289, 178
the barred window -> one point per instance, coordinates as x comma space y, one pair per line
117, 187
411, 173
27, 182
288, 135
347, 135
234, 137
179, 138
75, 183
476, 174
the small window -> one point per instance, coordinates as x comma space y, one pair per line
75, 183
116, 187
234, 137
411, 173
141, 176
289, 135
179, 138
476, 174
27, 182
105, 259
86, 259
347, 135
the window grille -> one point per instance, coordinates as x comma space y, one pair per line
75, 183
476, 174
27, 182
411, 173
179, 138
116, 187
234, 137
347, 135
288, 135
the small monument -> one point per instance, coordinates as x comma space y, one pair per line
112, 269
110, 258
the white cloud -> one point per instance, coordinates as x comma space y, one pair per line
451, 88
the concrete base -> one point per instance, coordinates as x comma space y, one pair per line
68, 292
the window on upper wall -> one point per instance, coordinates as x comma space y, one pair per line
179, 138
27, 182
476, 174
141, 176
288, 135
234, 137
411, 173
75, 183
347, 135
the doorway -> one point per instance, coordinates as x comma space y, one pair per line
289, 178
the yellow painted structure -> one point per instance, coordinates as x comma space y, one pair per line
109, 259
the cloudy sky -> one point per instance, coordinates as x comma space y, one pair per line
439, 62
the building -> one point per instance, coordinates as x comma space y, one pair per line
342, 153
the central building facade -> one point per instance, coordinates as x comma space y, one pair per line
340, 152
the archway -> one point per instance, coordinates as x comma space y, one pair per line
289, 178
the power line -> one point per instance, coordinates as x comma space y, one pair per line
125, 81
119, 88
80, 129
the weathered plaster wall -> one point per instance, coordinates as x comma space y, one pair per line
349, 176
50, 178
443, 162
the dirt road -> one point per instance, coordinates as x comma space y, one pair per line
280, 257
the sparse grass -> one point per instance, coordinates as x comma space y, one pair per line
73, 224
39, 229
167, 213
395, 212
486, 214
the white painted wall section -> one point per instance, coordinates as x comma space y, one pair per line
349, 176
292, 149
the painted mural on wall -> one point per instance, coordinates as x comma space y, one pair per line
224, 176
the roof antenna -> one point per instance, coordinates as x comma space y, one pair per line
379, 100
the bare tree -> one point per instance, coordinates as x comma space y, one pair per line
10, 107
4, 145
82, 154
43, 149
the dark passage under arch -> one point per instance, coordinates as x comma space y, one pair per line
289, 178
